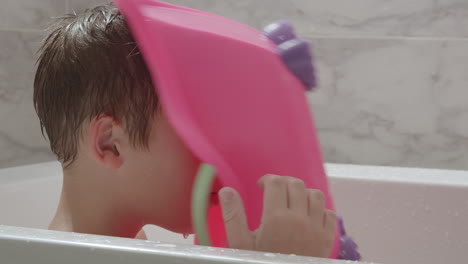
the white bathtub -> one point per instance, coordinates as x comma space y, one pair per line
396, 215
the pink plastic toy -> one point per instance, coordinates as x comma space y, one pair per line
235, 96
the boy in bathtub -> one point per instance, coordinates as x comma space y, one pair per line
123, 164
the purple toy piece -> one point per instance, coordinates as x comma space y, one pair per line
279, 32
348, 248
296, 55
295, 52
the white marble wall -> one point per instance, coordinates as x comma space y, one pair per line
393, 75
21, 26
350, 18
395, 101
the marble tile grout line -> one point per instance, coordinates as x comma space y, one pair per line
380, 37
306, 36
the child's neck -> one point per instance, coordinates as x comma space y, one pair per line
85, 208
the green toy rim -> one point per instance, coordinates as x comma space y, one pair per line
200, 199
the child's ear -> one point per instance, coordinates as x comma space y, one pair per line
105, 142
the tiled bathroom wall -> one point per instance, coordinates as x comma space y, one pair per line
393, 75
21, 28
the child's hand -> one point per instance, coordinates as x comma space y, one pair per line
294, 219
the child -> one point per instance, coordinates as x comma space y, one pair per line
123, 164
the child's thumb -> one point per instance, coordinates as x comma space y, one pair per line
239, 235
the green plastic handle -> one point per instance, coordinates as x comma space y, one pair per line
200, 199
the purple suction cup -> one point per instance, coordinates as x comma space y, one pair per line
348, 248
279, 32
296, 55
295, 52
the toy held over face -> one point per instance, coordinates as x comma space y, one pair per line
235, 96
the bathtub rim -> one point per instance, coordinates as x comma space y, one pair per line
110, 247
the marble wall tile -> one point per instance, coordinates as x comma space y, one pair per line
80, 5
393, 102
28, 14
428, 18
382, 101
416, 18
21, 141
3, 15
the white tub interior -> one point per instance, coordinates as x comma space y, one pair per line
396, 215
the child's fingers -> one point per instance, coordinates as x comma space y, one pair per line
274, 194
235, 221
297, 194
330, 227
316, 205
330, 221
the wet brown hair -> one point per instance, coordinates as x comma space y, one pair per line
89, 65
